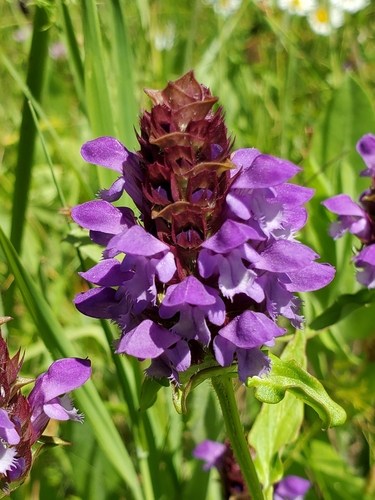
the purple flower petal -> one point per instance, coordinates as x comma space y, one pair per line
180, 355
17, 468
147, 340
291, 488
284, 256
114, 192
250, 329
342, 204
189, 291
312, 277
293, 195
62, 376
106, 273
7, 429
252, 363
62, 409
95, 302
211, 452
260, 171
365, 260
107, 152
366, 148
137, 241
194, 302
224, 350
99, 215
231, 235
351, 217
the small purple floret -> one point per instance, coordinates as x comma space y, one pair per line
291, 488
211, 452
46, 400
366, 148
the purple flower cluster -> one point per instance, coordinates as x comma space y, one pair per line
23, 419
359, 219
220, 455
212, 260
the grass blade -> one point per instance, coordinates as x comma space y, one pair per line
35, 77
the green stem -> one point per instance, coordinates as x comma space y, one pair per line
224, 390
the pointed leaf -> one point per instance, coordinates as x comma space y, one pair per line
289, 376
342, 307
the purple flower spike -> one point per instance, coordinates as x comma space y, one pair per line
214, 243
366, 148
211, 452
62, 376
291, 488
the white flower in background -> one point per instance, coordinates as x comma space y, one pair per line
22, 34
58, 51
299, 7
323, 19
351, 6
164, 39
225, 7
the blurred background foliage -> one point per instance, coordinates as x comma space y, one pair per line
72, 70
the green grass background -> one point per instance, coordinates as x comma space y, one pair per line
286, 91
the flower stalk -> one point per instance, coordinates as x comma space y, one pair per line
224, 389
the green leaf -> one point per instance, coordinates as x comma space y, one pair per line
289, 376
59, 345
335, 479
342, 307
278, 425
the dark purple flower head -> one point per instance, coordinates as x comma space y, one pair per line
23, 420
213, 260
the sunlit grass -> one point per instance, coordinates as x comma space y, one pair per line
286, 91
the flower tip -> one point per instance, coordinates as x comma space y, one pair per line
5, 319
